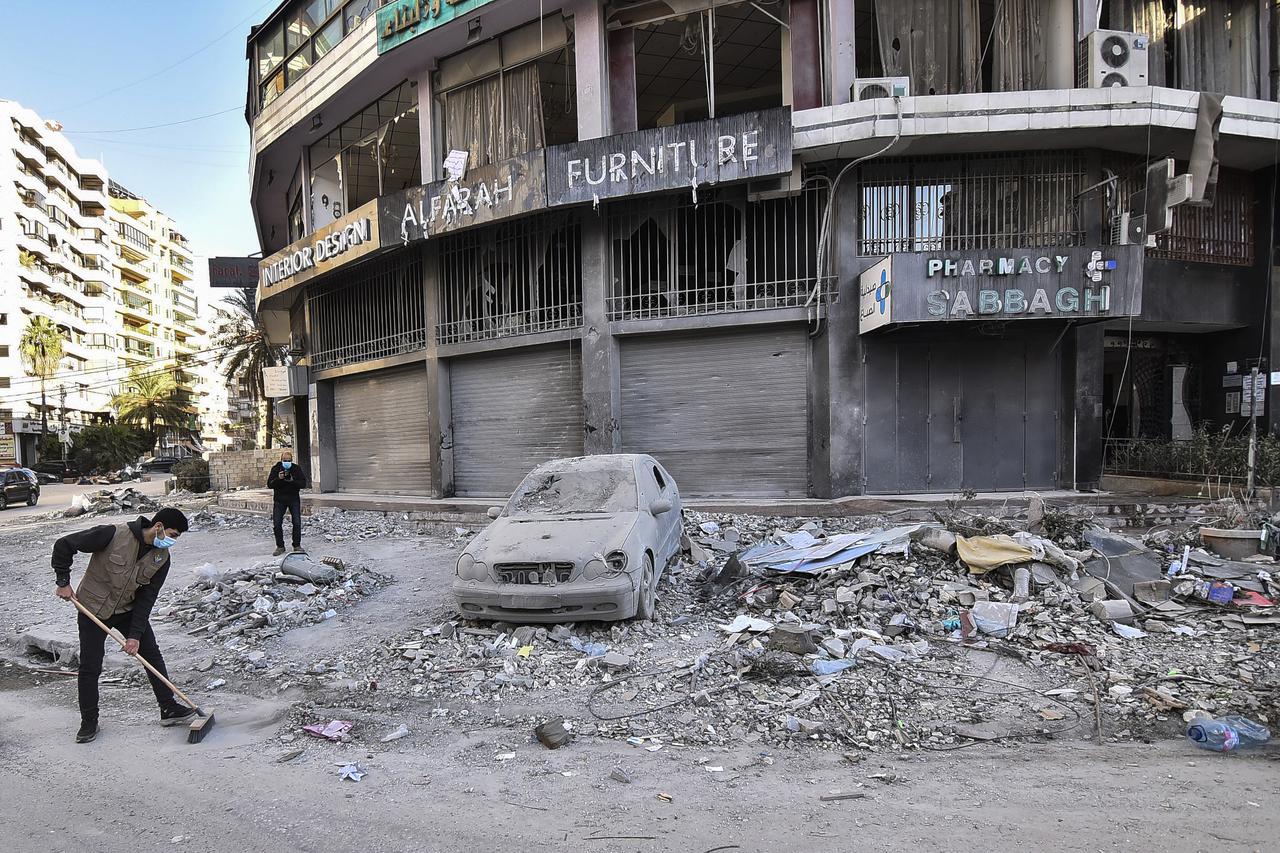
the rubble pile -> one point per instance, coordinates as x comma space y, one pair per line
110, 502
240, 610
328, 523
920, 636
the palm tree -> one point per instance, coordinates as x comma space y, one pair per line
246, 350
41, 350
150, 398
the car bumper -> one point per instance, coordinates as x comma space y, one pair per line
577, 601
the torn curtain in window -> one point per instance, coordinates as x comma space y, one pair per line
497, 117
1218, 46
1019, 52
934, 42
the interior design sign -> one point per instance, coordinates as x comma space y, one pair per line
402, 20
683, 156
1063, 283
340, 242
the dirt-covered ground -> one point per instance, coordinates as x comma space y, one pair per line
469, 774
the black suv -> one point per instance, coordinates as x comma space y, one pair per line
55, 471
18, 486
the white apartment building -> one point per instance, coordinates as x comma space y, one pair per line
54, 262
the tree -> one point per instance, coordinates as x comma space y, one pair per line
246, 350
103, 448
150, 398
41, 350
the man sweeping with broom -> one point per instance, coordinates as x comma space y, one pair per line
129, 565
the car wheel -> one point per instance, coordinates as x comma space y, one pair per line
648, 604
4, 502
33, 499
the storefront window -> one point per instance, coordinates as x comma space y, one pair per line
511, 94
375, 152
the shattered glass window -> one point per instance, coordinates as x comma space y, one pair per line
569, 491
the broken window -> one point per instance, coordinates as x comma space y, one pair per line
511, 94
372, 310
374, 153
575, 486
981, 202
731, 251
711, 59
512, 279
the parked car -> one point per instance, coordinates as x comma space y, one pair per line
160, 464
19, 485
55, 471
581, 539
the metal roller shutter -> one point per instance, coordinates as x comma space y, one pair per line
512, 411
380, 421
727, 414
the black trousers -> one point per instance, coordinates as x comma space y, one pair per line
294, 507
92, 647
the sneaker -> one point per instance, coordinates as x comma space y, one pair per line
88, 731
278, 551
176, 715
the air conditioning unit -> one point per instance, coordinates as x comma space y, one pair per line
881, 87
1112, 58
1130, 230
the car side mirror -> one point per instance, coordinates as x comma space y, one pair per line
658, 507
495, 511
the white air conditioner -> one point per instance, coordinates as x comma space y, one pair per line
1129, 230
1112, 58
881, 87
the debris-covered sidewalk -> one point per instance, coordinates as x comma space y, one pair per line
866, 636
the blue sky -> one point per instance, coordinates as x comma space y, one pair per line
64, 59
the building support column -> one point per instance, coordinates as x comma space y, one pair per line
427, 124
439, 407
324, 448
1060, 43
1084, 433
804, 53
841, 57
846, 403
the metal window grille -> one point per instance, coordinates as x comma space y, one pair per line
980, 202
374, 310
1220, 233
672, 257
518, 278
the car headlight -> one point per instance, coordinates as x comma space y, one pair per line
466, 567
594, 569
616, 561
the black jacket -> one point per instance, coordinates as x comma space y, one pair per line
286, 484
95, 539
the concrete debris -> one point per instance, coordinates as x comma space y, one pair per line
552, 734
110, 502
64, 648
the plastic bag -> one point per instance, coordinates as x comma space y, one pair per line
995, 618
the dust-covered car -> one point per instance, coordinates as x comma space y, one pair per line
581, 539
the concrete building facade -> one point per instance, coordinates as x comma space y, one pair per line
789, 248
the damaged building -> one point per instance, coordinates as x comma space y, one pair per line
789, 247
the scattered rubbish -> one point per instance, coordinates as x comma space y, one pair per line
618, 774
351, 772
301, 566
1227, 734
984, 553
289, 756
110, 502
1232, 544
334, 730
995, 618
746, 624
215, 684
400, 731
1127, 631
836, 796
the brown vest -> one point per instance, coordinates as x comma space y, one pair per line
114, 574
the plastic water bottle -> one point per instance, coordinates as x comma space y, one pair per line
1227, 734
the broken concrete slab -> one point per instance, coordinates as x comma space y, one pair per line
794, 639
61, 646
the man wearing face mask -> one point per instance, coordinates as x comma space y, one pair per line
129, 565
285, 481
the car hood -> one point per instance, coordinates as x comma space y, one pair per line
552, 538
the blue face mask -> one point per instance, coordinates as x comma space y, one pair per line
165, 542
287, 465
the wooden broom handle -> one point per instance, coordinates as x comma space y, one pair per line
115, 635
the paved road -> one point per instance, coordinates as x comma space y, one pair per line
59, 497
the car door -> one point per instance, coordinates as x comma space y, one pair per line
659, 484
12, 490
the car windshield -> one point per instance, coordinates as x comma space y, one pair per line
573, 490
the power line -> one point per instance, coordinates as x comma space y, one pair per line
171, 66
166, 124
134, 143
76, 375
